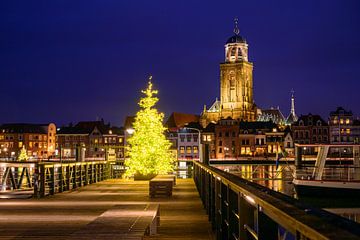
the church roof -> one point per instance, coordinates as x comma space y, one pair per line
215, 107
273, 114
236, 39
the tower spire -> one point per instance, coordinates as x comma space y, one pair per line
292, 111
236, 28
292, 116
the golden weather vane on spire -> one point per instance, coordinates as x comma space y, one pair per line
236, 28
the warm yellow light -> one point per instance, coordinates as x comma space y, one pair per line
130, 131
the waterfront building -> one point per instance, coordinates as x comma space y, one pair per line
289, 142
236, 84
90, 139
184, 131
37, 139
227, 139
234, 139
310, 129
343, 130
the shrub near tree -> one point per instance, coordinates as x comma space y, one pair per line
149, 150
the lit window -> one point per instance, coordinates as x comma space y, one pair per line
182, 150
341, 121
188, 150
204, 137
208, 138
20, 144
347, 121
96, 140
348, 131
243, 151
120, 140
195, 149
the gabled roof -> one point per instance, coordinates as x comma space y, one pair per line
88, 127
341, 111
179, 120
309, 120
24, 128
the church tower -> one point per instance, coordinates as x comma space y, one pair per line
236, 84
236, 81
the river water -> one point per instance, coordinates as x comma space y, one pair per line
280, 179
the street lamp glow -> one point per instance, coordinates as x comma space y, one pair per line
130, 131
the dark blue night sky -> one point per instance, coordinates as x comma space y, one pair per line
66, 61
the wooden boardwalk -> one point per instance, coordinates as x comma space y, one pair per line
182, 216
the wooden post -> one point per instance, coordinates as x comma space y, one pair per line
42, 179
267, 228
52, 179
61, 179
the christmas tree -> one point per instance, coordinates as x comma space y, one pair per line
149, 150
23, 156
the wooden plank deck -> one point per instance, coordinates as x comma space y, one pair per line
182, 216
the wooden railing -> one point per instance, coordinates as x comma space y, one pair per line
48, 178
239, 209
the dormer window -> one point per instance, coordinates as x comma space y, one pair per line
318, 123
301, 123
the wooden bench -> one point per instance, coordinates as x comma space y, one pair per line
122, 222
161, 186
173, 176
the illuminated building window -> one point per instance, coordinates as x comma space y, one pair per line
120, 140
96, 141
242, 151
188, 150
342, 131
105, 140
335, 121
347, 121
182, 150
341, 121
30, 144
348, 131
195, 149
204, 138
20, 144
208, 138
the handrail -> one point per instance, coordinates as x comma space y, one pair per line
278, 210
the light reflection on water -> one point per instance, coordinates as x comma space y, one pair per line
280, 180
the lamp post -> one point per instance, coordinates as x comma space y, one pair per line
128, 132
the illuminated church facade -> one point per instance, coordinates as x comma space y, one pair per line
236, 85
